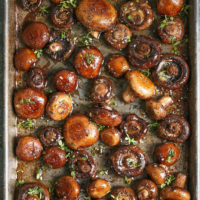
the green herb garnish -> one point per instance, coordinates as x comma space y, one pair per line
130, 140
171, 154
36, 191
153, 126
43, 10
146, 72
185, 10
169, 180
175, 44
128, 180
63, 35
27, 124
39, 172
89, 58
38, 53
19, 183
73, 174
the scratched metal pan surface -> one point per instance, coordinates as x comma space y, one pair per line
189, 106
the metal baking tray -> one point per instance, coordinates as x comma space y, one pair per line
190, 160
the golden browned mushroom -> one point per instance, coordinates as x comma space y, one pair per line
156, 109
180, 180
128, 95
123, 193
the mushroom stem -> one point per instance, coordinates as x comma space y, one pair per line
95, 34
128, 95
180, 180
165, 101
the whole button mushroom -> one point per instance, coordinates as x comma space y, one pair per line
98, 188
29, 103
24, 59
123, 193
36, 35
96, 15
141, 85
28, 148
80, 132
30, 5
156, 109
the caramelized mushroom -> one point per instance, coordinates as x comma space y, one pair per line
105, 115
134, 126
36, 78
172, 30
24, 59
96, 15
54, 157
98, 188
29, 103
144, 52
119, 36
180, 180
128, 95
62, 17
169, 7
157, 173
66, 81
59, 106
117, 65
128, 161
60, 46
88, 62
167, 154
36, 35
67, 188
50, 136
156, 109
172, 72
141, 85
82, 164
123, 193
26, 193
28, 148
79, 132
110, 136
101, 90
146, 189
30, 5
174, 128
137, 15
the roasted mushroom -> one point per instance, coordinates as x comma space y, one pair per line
172, 72
98, 188
146, 189
96, 15
66, 81
28, 148
36, 35
167, 154
80, 132
29, 103
88, 62
144, 52
136, 14
24, 59
156, 109
157, 173
180, 180
36, 78
82, 164
174, 128
50, 136
123, 193
128, 161
128, 95
60, 46
59, 106
141, 85
173, 29
104, 115
62, 17
117, 65
169, 7
101, 90
119, 36
30, 5
134, 126
67, 188
110, 136
33, 191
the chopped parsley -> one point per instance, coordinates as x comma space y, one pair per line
73, 174
169, 180
64, 147
132, 163
185, 10
165, 22
38, 52
130, 140
63, 35
112, 102
103, 172
146, 72
175, 44
101, 127
26, 124
171, 154
44, 10
89, 58
153, 126
128, 180
36, 191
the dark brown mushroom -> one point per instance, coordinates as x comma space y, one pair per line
172, 30
82, 164
119, 36
128, 161
104, 115
136, 14
30, 5
174, 128
134, 126
172, 72
101, 90
123, 193
128, 95
60, 46
144, 52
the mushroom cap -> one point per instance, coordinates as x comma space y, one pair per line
142, 86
